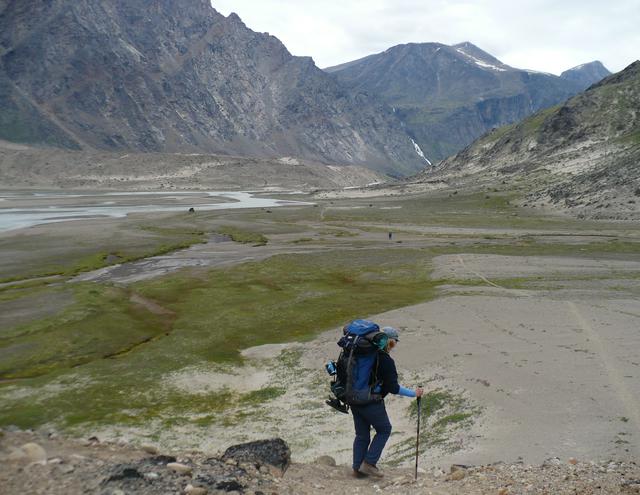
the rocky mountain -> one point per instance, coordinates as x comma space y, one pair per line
177, 76
449, 95
586, 74
582, 156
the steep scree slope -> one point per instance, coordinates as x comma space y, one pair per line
583, 155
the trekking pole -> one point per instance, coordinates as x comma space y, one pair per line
418, 435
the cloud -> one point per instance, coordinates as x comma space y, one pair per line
543, 35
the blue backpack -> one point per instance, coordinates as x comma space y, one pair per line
356, 382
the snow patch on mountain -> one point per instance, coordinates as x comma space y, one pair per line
420, 152
481, 63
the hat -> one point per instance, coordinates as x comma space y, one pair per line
391, 332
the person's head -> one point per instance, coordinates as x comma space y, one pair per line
392, 333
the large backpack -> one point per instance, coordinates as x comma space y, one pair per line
357, 381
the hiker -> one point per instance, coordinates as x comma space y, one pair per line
366, 452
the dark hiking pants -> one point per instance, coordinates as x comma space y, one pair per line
364, 417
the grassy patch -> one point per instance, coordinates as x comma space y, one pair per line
443, 413
78, 258
257, 397
533, 123
452, 419
243, 236
100, 324
217, 314
288, 297
631, 138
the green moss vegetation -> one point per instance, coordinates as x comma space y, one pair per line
115, 352
257, 397
494, 136
243, 236
632, 138
444, 413
75, 257
101, 323
533, 123
286, 297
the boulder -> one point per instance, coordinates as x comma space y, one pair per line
34, 452
195, 490
326, 460
457, 475
274, 452
182, 469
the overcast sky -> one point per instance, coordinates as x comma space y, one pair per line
544, 35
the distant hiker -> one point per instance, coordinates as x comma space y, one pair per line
390, 235
364, 374
192, 210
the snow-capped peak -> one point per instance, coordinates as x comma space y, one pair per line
480, 63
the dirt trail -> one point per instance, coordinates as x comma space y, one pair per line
479, 275
629, 400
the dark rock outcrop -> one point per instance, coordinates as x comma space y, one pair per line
177, 76
273, 452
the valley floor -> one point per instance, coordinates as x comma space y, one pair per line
522, 328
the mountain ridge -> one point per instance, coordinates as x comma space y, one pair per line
582, 156
448, 95
180, 77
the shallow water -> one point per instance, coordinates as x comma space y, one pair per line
35, 208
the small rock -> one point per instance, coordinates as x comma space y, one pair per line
195, 490
162, 460
457, 475
34, 452
67, 468
118, 492
326, 460
182, 469
503, 491
457, 467
231, 462
55, 460
229, 485
122, 472
150, 449
152, 476
573, 461
248, 468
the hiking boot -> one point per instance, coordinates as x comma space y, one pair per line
370, 470
359, 475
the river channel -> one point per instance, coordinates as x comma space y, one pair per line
20, 209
